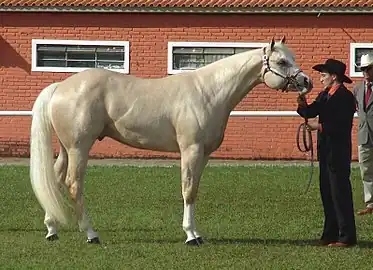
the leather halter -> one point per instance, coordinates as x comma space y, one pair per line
290, 79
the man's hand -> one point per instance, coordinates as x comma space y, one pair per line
313, 125
302, 101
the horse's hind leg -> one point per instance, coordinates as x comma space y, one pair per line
193, 161
60, 168
78, 159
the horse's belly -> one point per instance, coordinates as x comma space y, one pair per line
147, 138
214, 141
153, 144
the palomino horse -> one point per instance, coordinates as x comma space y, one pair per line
185, 113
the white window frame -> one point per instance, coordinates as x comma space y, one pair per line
173, 44
36, 42
353, 47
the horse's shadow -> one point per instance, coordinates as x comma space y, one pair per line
122, 230
208, 241
254, 241
21, 230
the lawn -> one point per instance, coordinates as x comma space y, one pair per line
254, 217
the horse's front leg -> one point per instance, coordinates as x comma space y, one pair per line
193, 161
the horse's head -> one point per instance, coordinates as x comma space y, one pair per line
280, 70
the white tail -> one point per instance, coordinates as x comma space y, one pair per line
43, 177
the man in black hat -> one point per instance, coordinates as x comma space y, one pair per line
335, 106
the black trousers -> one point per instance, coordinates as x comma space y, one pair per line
336, 193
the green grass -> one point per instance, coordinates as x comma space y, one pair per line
251, 218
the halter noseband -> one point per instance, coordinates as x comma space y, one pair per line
290, 79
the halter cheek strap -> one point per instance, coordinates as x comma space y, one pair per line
265, 62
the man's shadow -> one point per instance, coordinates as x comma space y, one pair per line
297, 242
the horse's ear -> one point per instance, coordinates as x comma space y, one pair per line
272, 43
283, 39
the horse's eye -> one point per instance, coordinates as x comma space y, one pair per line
282, 62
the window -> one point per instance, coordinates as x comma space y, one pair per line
184, 56
356, 51
77, 55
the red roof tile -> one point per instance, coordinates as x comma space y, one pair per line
188, 3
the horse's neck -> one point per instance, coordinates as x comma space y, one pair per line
229, 80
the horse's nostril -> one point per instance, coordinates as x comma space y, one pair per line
307, 83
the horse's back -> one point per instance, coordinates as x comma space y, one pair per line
142, 112
105, 103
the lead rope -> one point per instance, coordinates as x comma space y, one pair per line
307, 146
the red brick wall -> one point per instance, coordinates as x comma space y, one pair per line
312, 38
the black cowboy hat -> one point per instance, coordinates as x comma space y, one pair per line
334, 66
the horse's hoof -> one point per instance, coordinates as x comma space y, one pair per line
95, 240
199, 239
195, 242
52, 237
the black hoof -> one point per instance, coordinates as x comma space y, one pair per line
199, 239
95, 240
52, 237
195, 242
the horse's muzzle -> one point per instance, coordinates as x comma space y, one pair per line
308, 83
303, 84
307, 86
